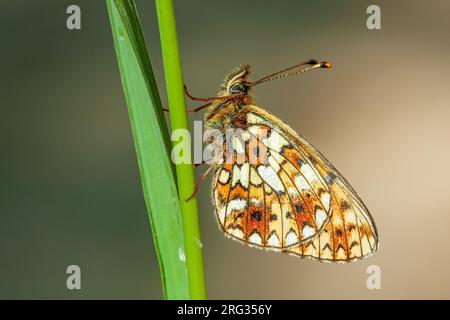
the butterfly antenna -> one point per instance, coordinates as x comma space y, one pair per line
310, 65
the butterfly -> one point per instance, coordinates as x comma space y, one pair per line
275, 190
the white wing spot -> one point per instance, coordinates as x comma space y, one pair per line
224, 176
308, 172
293, 192
237, 204
255, 238
273, 240
240, 175
275, 141
237, 145
307, 232
256, 202
320, 217
291, 238
254, 178
274, 164
326, 200
271, 177
253, 118
301, 183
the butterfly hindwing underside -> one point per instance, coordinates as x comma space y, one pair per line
296, 202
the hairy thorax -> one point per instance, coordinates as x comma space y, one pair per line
223, 116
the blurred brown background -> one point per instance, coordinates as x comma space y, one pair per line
69, 185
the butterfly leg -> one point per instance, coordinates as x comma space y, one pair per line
199, 164
199, 107
195, 98
193, 110
208, 99
200, 182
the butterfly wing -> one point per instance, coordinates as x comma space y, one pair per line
295, 201
350, 232
275, 203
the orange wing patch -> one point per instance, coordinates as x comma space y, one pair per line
256, 222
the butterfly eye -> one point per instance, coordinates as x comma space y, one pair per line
237, 88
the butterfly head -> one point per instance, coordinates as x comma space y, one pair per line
236, 82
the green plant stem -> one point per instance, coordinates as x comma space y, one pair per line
185, 172
152, 142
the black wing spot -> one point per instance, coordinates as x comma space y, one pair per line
345, 205
299, 208
256, 215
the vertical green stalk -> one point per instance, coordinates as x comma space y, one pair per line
185, 172
152, 143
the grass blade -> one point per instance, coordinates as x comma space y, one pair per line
152, 145
185, 172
